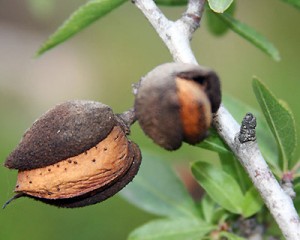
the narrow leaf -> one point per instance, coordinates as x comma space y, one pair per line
219, 185
233, 167
172, 229
231, 236
81, 18
171, 2
220, 215
207, 206
280, 120
219, 6
158, 190
252, 202
215, 25
294, 3
251, 35
214, 143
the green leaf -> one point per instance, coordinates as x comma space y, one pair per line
296, 169
220, 215
219, 185
171, 2
280, 120
219, 6
81, 18
233, 167
207, 206
251, 35
252, 202
215, 25
172, 229
231, 236
158, 190
214, 143
294, 3
211, 212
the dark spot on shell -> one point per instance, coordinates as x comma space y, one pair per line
69, 161
105, 149
58, 189
94, 160
65, 169
17, 186
116, 137
57, 165
75, 162
30, 182
49, 169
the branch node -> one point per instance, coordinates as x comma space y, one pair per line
195, 17
247, 130
287, 184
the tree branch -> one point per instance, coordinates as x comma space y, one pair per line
176, 36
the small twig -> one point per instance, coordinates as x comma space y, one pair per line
177, 36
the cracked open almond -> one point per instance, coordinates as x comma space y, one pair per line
174, 103
103, 163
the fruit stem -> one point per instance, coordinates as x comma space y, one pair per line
126, 119
13, 198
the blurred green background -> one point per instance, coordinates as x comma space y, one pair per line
100, 64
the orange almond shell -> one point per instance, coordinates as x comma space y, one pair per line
195, 110
97, 168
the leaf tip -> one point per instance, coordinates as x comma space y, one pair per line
38, 53
219, 7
